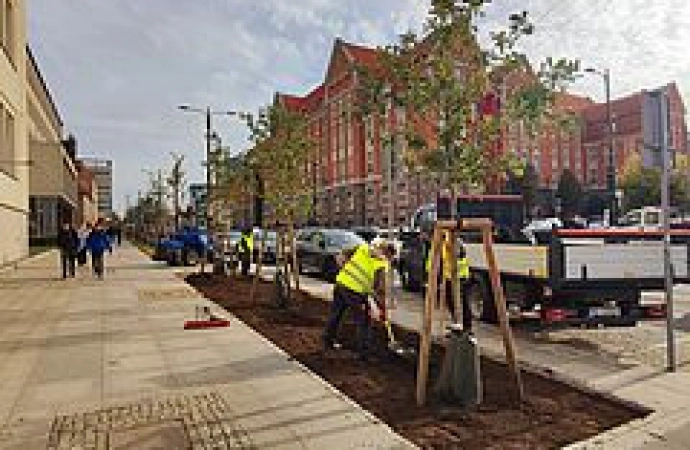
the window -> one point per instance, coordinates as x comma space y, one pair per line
7, 28
7, 141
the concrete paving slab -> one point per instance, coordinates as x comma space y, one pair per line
112, 359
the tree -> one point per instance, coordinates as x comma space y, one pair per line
570, 194
523, 180
281, 155
176, 182
456, 95
641, 186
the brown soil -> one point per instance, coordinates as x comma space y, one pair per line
553, 414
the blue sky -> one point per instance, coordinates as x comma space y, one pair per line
119, 68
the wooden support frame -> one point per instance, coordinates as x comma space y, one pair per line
485, 226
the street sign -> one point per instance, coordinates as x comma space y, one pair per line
654, 108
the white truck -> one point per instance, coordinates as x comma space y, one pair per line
581, 277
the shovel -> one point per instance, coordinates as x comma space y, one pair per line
395, 346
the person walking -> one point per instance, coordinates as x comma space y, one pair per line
82, 234
97, 243
68, 243
245, 248
362, 275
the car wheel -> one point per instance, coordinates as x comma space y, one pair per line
191, 258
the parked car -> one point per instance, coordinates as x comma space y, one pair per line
318, 249
270, 249
187, 246
367, 233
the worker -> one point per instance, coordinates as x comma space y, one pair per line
245, 250
362, 274
463, 273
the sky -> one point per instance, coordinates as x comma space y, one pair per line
118, 69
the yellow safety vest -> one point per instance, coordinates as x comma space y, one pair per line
463, 264
359, 272
249, 240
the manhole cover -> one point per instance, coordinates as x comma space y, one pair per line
160, 436
166, 293
195, 421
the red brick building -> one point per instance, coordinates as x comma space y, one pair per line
350, 167
627, 115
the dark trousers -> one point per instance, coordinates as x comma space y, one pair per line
245, 263
450, 304
344, 299
67, 262
466, 309
97, 264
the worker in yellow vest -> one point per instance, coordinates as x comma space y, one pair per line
363, 274
463, 269
245, 248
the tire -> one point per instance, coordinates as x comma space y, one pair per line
191, 258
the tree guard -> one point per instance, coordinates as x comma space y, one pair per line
485, 226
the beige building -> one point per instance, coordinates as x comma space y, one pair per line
53, 171
14, 151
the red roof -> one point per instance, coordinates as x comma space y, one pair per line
366, 56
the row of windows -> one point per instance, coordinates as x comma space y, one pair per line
7, 28
7, 142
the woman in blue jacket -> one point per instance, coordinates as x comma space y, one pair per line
97, 243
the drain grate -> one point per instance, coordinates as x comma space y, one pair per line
185, 422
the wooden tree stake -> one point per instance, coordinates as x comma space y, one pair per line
427, 320
502, 310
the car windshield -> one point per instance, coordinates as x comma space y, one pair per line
344, 239
271, 236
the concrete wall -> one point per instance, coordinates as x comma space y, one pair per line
14, 189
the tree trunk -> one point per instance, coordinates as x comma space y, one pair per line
293, 253
259, 265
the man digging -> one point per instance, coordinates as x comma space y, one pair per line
362, 274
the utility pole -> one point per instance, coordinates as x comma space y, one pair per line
611, 176
208, 167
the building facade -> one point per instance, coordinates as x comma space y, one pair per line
627, 115
53, 172
14, 142
102, 170
87, 209
356, 180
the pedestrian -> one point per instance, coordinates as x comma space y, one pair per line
245, 248
97, 243
68, 243
83, 234
362, 275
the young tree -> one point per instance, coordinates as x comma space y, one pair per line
176, 182
282, 153
570, 193
457, 96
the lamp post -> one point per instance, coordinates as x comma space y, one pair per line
209, 113
611, 170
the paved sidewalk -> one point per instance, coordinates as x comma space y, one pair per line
106, 365
668, 395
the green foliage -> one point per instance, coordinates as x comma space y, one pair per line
642, 186
441, 77
570, 193
282, 153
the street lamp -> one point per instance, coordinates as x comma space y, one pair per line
208, 112
611, 173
